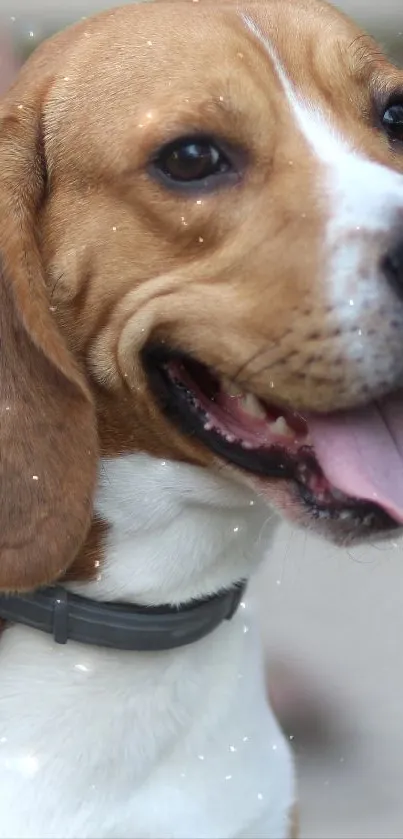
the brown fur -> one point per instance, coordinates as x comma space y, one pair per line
99, 258
120, 260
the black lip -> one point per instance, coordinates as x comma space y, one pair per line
273, 463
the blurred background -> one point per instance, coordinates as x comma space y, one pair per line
332, 620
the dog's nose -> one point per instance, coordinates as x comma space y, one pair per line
392, 267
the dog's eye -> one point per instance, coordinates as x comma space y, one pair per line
191, 160
392, 121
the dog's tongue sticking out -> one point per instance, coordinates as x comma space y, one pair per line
361, 452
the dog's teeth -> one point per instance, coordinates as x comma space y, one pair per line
252, 406
231, 389
281, 428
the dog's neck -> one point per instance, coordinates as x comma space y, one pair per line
188, 728
175, 532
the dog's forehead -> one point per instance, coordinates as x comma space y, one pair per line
143, 71
140, 48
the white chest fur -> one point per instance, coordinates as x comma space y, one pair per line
98, 743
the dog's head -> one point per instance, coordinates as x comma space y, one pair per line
214, 195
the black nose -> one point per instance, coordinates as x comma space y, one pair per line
392, 267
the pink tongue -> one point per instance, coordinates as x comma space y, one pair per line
361, 452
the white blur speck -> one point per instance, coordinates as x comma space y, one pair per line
81, 667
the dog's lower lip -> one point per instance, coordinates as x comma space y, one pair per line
189, 394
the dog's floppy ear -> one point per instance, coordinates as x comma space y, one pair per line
48, 442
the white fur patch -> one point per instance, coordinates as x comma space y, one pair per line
175, 531
362, 202
101, 744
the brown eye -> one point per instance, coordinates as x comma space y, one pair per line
187, 161
392, 121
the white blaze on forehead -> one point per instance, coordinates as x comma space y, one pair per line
320, 135
349, 168
359, 197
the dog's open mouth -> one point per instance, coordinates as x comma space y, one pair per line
347, 466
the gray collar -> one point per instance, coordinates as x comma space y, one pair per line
120, 626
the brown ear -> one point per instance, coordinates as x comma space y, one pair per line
48, 442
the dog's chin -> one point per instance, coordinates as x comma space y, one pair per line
268, 448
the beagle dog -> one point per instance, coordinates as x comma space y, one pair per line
201, 327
